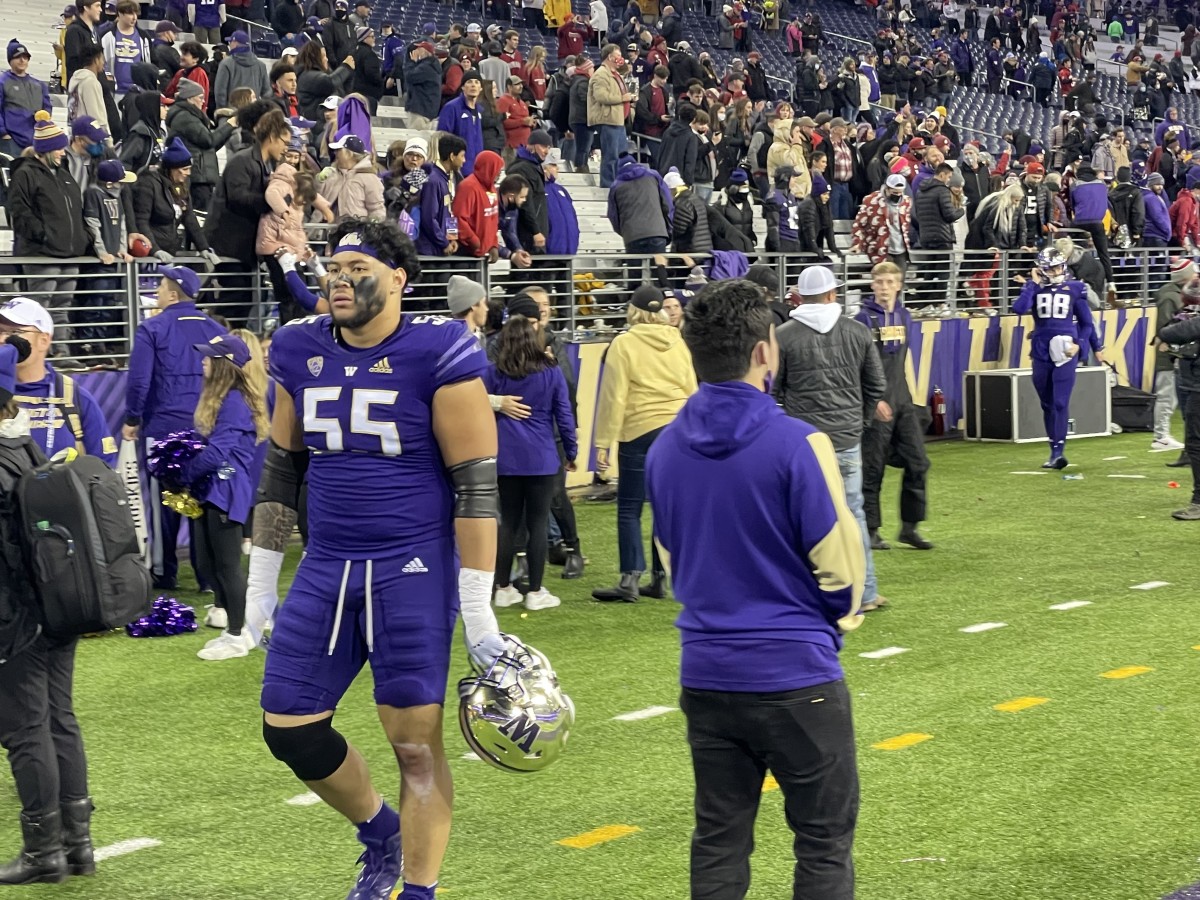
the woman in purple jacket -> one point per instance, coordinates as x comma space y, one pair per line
232, 415
528, 462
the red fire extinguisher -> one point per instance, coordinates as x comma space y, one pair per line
938, 405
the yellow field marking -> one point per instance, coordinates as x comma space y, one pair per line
598, 836
902, 741
1126, 672
1197, 647
1021, 703
770, 784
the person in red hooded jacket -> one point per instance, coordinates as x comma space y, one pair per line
477, 208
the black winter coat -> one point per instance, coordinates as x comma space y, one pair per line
1128, 207
288, 18
689, 228
313, 86
155, 206
534, 217
368, 74
977, 184
935, 215
19, 627
237, 204
680, 149
833, 381
203, 141
1184, 333
46, 210
423, 86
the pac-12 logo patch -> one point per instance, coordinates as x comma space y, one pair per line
315, 365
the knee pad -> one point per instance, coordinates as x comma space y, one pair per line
313, 751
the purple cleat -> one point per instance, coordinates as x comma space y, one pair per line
382, 863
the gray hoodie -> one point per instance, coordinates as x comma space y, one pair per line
241, 70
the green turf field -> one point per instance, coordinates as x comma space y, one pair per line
1091, 795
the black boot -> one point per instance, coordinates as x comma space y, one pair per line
1182, 463
909, 535
657, 587
42, 860
520, 573
556, 553
877, 541
77, 836
625, 592
574, 563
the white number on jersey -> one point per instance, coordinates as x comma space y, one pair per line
1053, 306
359, 422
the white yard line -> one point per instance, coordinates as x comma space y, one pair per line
120, 848
982, 626
1029, 473
648, 713
1150, 585
884, 653
308, 798
1126, 476
1114, 458
1072, 604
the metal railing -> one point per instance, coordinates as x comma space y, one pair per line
96, 309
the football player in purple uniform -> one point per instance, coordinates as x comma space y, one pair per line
389, 414
1062, 326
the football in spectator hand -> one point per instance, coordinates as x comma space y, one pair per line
139, 247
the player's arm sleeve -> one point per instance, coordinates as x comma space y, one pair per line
141, 368
300, 291
1088, 335
465, 430
614, 391
1023, 305
830, 538
97, 437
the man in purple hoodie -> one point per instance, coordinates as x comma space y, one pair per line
762, 685
903, 435
1089, 199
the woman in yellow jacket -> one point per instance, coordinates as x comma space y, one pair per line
648, 376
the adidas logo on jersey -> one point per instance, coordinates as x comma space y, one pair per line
381, 368
414, 566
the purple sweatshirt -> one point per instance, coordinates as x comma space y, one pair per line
763, 560
1090, 199
165, 371
527, 446
435, 212
1158, 215
227, 463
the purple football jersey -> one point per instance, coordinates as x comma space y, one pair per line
376, 481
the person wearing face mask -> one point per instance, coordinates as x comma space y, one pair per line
89, 145
731, 215
45, 207
762, 685
881, 227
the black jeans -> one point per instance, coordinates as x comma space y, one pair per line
1191, 437
900, 442
38, 726
219, 562
806, 739
631, 497
524, 499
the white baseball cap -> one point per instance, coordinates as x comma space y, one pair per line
25, 313
897, 182
331, 102
815, 281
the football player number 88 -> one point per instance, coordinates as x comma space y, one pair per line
1053, 306
361, 401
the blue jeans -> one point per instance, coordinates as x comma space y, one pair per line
631, 495
850, 465
840, 202
612, 142
583, 143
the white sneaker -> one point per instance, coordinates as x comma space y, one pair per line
216, 618
541, 599
1167, 443
507, 596
228, 646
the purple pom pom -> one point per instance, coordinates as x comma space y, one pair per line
167, 617
167, 460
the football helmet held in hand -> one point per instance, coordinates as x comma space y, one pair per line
513, 714
1052, 266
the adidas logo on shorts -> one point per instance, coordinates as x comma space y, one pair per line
414, 566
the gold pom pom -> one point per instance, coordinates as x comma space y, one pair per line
41, 116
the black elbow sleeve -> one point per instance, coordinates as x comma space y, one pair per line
283, 473
476, 495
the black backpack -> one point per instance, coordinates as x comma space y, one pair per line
80, 543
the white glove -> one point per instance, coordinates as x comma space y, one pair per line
485, 644
314, 265
287, 261
163, 256
211, 257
